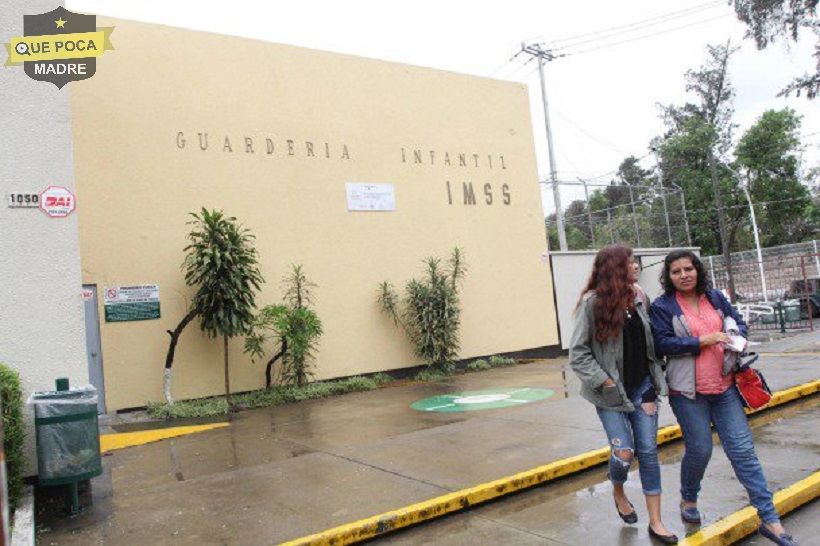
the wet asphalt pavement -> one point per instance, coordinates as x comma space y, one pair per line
281, 473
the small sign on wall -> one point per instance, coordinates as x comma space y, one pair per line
127, 303
370, 197
57, 201
24, 200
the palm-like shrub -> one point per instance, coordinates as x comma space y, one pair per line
222, 263
294, 326
430, 313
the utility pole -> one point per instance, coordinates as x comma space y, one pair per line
543, 56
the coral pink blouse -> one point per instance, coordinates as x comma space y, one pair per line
709, 364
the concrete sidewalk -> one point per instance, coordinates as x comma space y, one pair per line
281, 473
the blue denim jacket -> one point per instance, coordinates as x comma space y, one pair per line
675, 341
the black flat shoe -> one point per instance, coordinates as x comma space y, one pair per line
666, 539
631, 517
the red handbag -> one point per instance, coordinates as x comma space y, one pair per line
751, 384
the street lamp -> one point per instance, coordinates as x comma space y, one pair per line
745, 188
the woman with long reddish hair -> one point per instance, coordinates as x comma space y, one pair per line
613, 354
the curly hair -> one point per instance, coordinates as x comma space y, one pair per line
703, 278
610, 282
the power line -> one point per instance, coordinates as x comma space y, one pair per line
507, 62
613, 44
636, 26
606, 145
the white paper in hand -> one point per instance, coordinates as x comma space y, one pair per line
736, 344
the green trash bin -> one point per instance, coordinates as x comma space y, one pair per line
68, 437
791, 311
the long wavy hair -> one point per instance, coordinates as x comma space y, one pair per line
666, 279
610, 282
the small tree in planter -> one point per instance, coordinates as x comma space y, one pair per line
295, 326
430, 313
221, 261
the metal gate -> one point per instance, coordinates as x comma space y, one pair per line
92, 343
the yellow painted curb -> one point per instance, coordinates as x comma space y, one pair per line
800, 391
110, 442
452, 502
809, 353
745, 522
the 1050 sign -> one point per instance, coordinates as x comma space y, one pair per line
31, 200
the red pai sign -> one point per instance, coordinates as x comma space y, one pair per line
57, 202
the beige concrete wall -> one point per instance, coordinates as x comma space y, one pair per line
331, 119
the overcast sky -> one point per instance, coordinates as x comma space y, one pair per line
603, 95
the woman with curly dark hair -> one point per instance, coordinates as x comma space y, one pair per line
690, 322
613, 354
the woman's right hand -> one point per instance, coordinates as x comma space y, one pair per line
713, 339
608, 383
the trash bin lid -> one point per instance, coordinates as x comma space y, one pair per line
76, 395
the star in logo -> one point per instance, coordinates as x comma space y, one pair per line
60, 23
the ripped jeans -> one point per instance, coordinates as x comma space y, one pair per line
637, 433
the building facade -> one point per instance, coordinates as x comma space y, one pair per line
355, 168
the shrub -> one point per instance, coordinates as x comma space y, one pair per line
430, 313
497, 361
478, 365
432, 375
14, 432
274, 396
295, 327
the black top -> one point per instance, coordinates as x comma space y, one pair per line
636, 364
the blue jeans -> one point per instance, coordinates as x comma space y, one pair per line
725, 411
637, 432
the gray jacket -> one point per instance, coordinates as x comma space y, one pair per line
675, 341
595, 362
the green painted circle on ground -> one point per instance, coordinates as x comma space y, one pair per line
481, 400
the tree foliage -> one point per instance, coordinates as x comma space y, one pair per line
767, 157
696, 132
222, 263
772, 20
430, 313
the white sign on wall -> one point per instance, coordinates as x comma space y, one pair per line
370, 197
57, 201
127, 303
